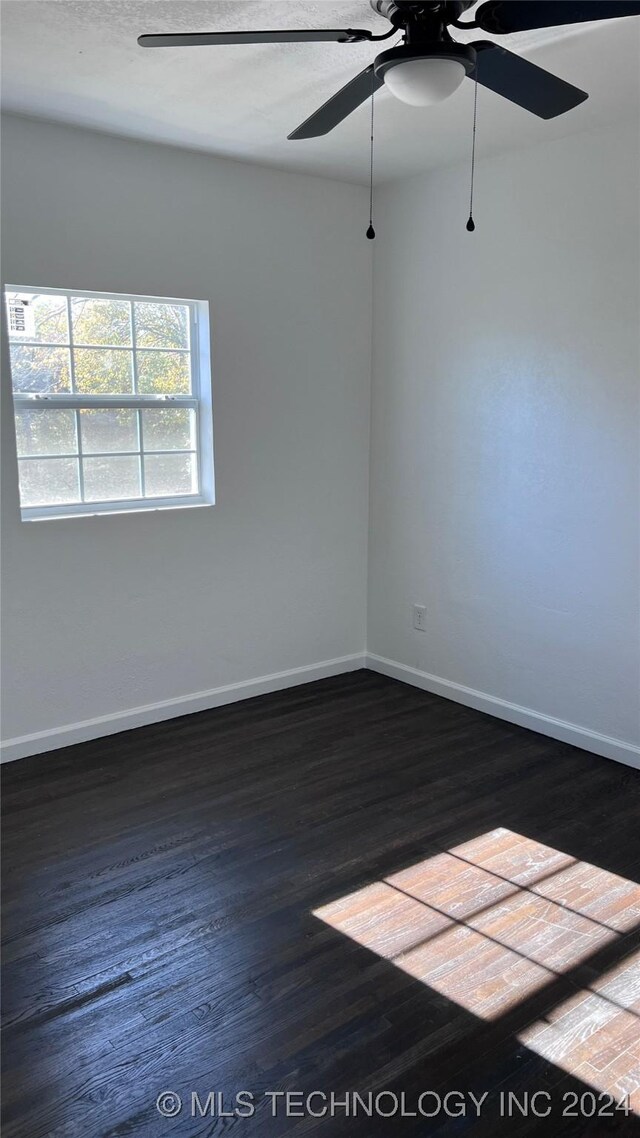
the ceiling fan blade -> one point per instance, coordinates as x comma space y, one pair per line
339, 105
524, 83
503, 16
209, 39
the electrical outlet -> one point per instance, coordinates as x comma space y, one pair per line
420, 618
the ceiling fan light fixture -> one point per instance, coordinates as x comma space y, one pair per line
421, 82
424, 74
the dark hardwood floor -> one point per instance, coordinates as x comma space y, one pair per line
259, 898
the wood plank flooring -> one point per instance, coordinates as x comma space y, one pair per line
352, 886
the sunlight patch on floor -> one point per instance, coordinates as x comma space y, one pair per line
595, 1035
493, 921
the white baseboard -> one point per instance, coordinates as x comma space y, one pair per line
35, 744
40, 741
603, 745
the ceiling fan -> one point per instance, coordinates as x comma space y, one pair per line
429, 65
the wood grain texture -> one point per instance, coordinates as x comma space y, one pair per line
159, 932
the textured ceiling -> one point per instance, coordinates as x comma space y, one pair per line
78, 61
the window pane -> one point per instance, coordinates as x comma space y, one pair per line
40, 369
169, 430
46, 432
111, 479
109, 430
161, 325
163, 373
101, 372
48, 482
166, 475
47, 319
100, 321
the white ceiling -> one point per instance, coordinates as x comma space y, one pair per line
78, 61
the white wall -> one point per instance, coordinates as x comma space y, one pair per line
504, 441
504, 463
106, 614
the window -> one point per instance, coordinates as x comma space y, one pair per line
112, 399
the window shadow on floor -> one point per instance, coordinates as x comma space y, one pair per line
530, 957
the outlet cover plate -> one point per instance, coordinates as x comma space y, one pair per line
420, 618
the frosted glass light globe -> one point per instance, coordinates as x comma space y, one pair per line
421, 82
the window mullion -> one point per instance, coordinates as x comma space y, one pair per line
155, 402
72, 365
195, 443
80, 462
106, 454
193, 350
141, 445
134, 347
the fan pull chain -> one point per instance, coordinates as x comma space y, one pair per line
471, 223
371, 231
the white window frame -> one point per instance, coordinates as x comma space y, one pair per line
200, 401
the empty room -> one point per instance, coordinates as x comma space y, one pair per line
320, 568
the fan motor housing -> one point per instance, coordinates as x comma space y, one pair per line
401, 12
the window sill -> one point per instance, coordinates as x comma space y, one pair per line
109, 509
